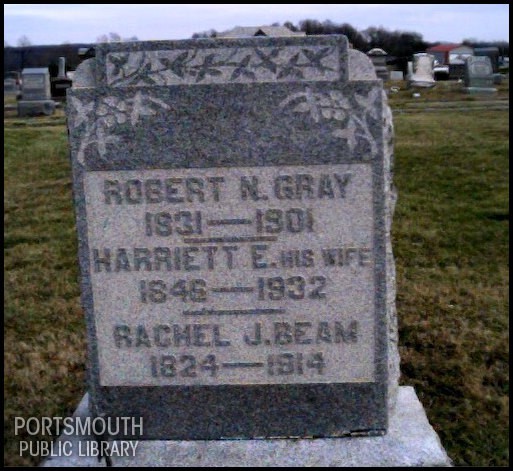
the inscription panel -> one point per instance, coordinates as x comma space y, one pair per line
233, 276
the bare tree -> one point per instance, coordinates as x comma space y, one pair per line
290, 25
211, 33
24, 41
114, 38
110, 38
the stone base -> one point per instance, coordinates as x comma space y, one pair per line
474, 90
421, 83
35, 107
410, 441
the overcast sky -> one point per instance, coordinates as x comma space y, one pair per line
84, 23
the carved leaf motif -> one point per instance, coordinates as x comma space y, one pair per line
369, 102
159, 102
339, 99
121, 118
325, 101
339, 115
119, 61
108, 121
178, 66
100, 140
236, 74
327, 113
103, 139
144, 74
266, 61
102, 110
348, 134
242, 69
143, 68
141, 106
302, 107
115, 102
81, 111
290, 72
112, 139
112, 111
315, 58
207, 68
291, 69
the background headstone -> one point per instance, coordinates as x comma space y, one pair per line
379, 59
422, 71
62, 68
36, 83
234, 204
479, 77
35, 93
62, 82
10, 86
409, 73
492, 52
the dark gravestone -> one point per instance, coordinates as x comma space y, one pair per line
61, 82
234, 203
479, 76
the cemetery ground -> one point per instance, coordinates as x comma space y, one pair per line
450, 240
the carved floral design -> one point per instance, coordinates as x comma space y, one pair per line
100, 118
333, 105
222, 65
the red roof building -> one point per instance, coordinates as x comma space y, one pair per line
450, 54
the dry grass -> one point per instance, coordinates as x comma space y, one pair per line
451, 246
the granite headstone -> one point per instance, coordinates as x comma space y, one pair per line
35, 93
479, 77
234, 203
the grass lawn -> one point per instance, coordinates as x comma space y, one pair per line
450, 238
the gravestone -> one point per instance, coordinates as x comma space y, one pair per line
396, 75
36, 83
409, 72
236, 229
234, 203
422, 71
479, 77
492, 53
62, 68
378, 58
62, 82
35, 93
10, 86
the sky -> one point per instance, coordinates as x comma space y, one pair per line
45, 24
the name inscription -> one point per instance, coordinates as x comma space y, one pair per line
247, 275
